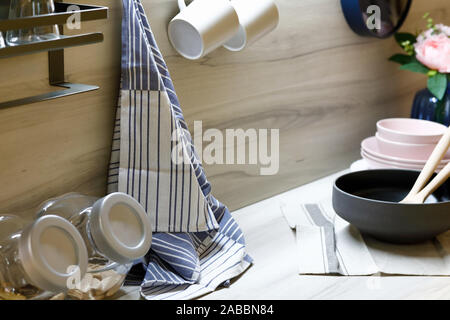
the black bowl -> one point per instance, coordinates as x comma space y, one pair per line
369, 200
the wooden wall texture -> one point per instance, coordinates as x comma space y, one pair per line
322, 85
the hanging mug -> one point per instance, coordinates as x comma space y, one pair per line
202, 26
256, 18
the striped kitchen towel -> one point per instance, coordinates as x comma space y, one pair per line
221, 255
327, 244
197, 244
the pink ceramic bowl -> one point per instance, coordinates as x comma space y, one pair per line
378, 163
370, 146
404, 150
411, 131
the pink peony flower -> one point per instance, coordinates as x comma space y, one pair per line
434, 51
439, 28
443, 28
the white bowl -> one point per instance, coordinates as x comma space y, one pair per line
412, 131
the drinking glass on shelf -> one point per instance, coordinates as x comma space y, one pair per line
46, 32
2, 41
20, 9
27, 8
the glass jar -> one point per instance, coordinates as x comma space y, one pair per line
38, 257
28, 8
101, 282
116, 230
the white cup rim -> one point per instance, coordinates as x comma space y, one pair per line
253, 24
187, 56
242, 34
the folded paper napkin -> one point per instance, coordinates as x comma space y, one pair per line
197, 245
327, 244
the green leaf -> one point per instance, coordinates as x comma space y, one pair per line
401, 37
415, 66
401, 58
437, 85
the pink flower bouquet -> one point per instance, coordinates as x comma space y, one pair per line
427, 53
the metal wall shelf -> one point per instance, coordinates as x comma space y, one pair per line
87, 13
49, 45
54, 47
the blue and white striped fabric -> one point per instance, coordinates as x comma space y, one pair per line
222, 256
197, 245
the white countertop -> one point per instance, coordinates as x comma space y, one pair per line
271, 243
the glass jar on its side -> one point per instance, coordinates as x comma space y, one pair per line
38, 257
116, 230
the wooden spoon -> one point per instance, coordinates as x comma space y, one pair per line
418, 193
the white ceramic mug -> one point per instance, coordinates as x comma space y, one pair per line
202, 26
256, 18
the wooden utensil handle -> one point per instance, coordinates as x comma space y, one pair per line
435, 159
442, 176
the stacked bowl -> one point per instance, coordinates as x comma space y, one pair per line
403, 143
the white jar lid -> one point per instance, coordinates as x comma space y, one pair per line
120, 228
52, 253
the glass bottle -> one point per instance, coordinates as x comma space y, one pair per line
40, 256
116, 230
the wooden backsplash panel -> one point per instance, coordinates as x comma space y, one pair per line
54, 147
323, 86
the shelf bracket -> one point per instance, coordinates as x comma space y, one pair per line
70, 89
56, 79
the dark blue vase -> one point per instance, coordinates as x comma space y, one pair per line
427, 107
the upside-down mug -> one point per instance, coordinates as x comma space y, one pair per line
256, 18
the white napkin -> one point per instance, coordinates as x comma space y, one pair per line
328, 244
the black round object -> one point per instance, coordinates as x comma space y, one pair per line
360, 15
369, 200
